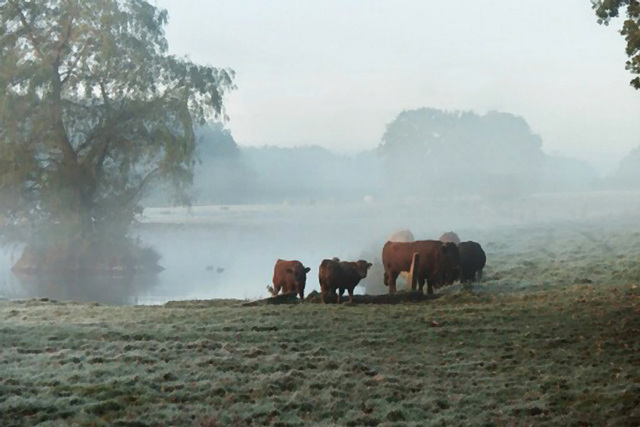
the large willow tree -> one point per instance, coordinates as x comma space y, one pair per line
92, 111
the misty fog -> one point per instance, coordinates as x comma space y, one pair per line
246, 240
228, 251
252, 206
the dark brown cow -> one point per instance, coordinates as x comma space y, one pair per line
450, 236
290, 276
472, 261
439, 263
335, 275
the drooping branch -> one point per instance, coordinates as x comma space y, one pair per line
137, 193
99, 150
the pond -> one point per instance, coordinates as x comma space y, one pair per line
208, 252
229, 251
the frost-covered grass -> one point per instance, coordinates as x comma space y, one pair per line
565, 356
551, 336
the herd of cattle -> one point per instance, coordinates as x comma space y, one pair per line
434, 262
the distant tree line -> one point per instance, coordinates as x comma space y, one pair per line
424, 153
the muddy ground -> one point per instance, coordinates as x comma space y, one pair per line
550, 336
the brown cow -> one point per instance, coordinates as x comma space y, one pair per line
340, 275
439, 263
290, 276
450, 236
403, 236
472, 261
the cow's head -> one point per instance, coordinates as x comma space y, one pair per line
362, 267
299, 273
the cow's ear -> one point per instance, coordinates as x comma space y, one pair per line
369, 265
289, 270
307, 269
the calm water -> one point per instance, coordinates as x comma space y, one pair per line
211, 252
229, 252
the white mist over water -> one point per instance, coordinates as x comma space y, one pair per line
247, 240
229, 251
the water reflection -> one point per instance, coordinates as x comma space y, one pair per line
111, 290
229, 252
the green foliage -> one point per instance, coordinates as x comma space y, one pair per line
93, 110
608, 9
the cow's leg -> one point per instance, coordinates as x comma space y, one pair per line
334, 293
430, 286
301, 293
276, 289
421, 281
340, 292
350, 294
392, 282
327, 295
324, 290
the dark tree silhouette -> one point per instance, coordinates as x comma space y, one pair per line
609, 9
461, 152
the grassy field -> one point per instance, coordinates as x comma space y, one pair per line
551, 336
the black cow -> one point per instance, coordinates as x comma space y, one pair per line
472, 261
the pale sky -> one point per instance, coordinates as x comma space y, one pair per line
335, 72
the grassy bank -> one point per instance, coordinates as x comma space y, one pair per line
551, 336
569, 355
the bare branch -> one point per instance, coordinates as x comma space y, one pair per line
65, 36
32, 37
100, 150
75, 62
138, 192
